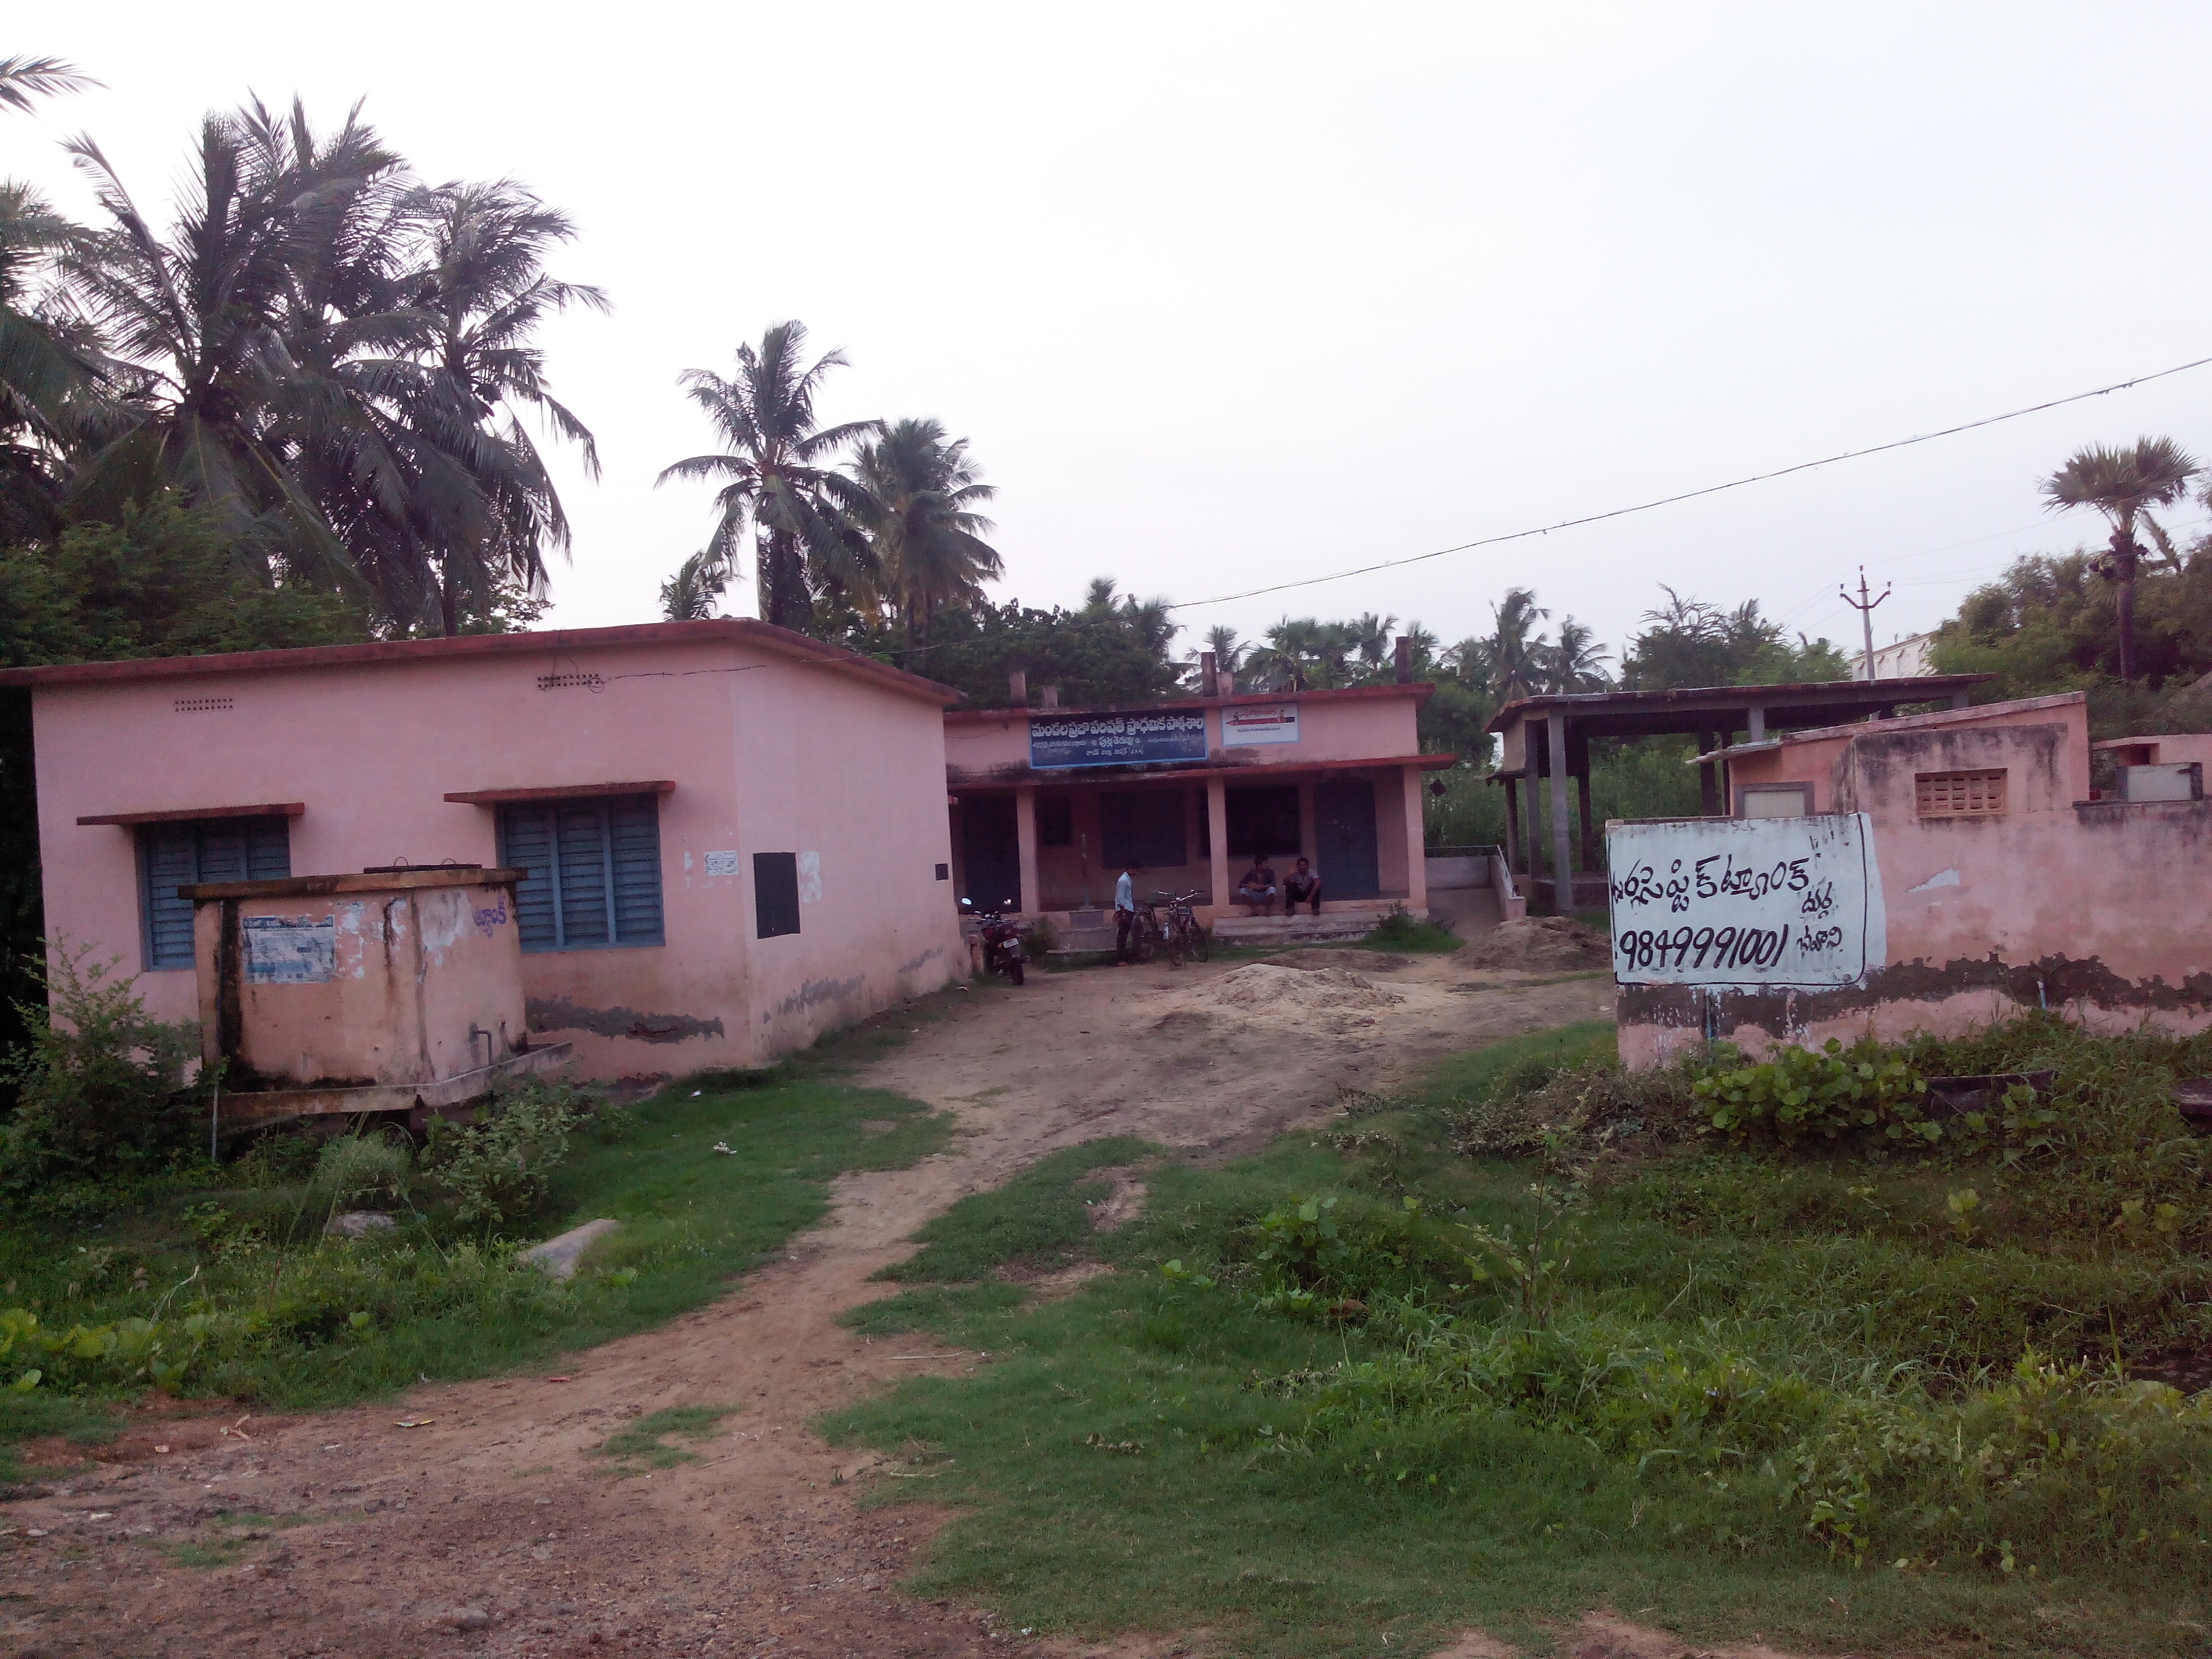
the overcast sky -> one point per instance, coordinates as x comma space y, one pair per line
1226, 295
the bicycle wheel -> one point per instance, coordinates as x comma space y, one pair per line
1148, 937
1175, 944
1199, 945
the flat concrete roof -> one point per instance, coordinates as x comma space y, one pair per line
1689, 709
733, 630
1419, 690
1902, 723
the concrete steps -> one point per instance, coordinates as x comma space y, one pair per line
1350, 922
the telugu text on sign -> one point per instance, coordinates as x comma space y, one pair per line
1746, 901
1057, 740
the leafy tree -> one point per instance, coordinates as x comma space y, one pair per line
1113, 657
805, 517
1688, 642
2124, 485
921, 513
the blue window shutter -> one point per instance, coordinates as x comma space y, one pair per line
634, 821
172, 855
526, 839
581, 853
169, 857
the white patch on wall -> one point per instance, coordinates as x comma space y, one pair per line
1746, 901
1271, 723
290, 950
722, 864
810, 878
1940, 878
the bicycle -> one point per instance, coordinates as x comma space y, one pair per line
1148, 932
1181, 932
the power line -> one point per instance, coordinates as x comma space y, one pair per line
1693, 495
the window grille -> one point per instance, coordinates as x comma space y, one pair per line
1959, 794
593, 871
564, 682
204, 705
173, 856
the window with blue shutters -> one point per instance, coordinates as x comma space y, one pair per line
173, 856
593, 870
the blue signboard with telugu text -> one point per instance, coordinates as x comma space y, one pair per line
1057, 740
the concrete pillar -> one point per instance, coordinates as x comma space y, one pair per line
1401, 661
1709, 787
1563, 862
1512, 828
1026, 846
1416, 859
1209, 675
1535, 808
1217, 833
1758, 727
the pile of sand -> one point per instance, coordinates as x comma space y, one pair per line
1265, 988
1360, 962
1539, 945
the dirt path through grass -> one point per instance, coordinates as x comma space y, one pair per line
497, 1526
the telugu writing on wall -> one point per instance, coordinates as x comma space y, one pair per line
1744, 902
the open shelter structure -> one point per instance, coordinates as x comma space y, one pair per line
1545, 741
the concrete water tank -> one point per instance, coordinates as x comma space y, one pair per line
392, 990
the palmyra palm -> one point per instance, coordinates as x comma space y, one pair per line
2124, 485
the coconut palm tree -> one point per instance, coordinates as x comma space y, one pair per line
47, 367
1372, 635
486, 291
2124, 485
690, 594
1570, 664
805, 515
23, 79
1516, 645
216, 404
923, 527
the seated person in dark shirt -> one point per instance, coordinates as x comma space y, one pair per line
1257, 890
1303, 887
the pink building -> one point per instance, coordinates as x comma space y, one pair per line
735, 835
1995, 882
1050, 803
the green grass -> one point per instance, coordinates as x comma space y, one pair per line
644, 1445
319, 1322
1039, 1220
1172, 1453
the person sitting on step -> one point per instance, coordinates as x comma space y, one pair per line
1256, 892
1302, 887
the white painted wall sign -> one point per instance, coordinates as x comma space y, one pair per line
1792, 903
722, 864
1275, 723
290, 950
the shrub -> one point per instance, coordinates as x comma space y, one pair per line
497, 1168
1797, 1091
100, 1085
363, 1168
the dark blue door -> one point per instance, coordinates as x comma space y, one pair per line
1343, 838
991, 855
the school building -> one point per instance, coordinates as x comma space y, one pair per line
733, 836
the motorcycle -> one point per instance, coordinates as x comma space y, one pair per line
1002, 943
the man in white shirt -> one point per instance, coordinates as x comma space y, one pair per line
1125, 915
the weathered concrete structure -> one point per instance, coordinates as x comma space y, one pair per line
1996, 885
733, 836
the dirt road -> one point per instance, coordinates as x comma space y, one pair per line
494, 1530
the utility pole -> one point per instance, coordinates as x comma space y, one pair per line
1865, 606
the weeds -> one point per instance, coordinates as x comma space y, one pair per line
644, 1445
1397, 1364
